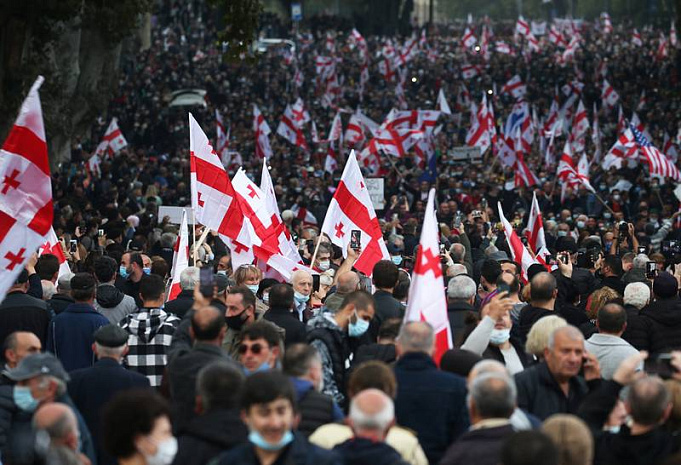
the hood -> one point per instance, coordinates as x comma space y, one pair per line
146, 322
109, 296
666, 312
322, 321
222, 427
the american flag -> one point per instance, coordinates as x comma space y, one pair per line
658, 163
639, 138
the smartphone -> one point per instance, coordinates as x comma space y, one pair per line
660, 365
651, 270
315, 282
207, 282
73, 245
503, 287
442, 249
483, 203
100, 232
641, 249
355, 239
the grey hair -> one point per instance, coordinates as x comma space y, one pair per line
461, 287
379, 421
48, 289
61, 427
113, 352
490, 250
489, 365
640, 261
61, 385
494, 395
416, 336
188, 278
572, 332
637, 294
458, 252
538, 337
168, 239
455, 270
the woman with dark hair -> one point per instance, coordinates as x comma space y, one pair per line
136, 429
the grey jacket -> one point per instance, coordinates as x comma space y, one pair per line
113, 303
610, 350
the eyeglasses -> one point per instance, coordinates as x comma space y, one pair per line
255, 348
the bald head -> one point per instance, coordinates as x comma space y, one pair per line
59, 422
543, 288
19, 345
649, 401
302, 282
298, 275
208, 324
347, 282
415, 336
372, 413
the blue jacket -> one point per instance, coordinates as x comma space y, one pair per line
430, 402
299, 452
70, 335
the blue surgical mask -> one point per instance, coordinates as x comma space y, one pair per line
266, 297
257, 440
300, 298
24, 399
263, 367
581, 224
123, 271
222, 272
358, 328
562, 233
397, 259
253, 287
147, 271
499, 336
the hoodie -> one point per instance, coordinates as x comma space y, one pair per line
113, 303
333, 346
662, 319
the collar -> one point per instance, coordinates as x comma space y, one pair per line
490, 423
547, 378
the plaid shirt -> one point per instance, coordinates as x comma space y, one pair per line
151, 331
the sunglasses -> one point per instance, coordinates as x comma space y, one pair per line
255, 348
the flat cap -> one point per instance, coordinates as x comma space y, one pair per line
111, 336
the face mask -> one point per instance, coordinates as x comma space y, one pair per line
165, 453
499, 336
616, 198
258, 441
325, 265
397, 259
253, 287
603, 187
266, 297
614, 429
236, 322
607, 215
264, 366
123, 271
581, 224
24, 399
300, 298
358, 328
562, 233
147, 271
222, 272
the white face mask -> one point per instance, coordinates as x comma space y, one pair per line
165, 452
324, 265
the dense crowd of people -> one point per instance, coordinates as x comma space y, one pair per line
573, 362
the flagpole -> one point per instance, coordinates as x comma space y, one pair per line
316, 249
603, 202
194, 234
394, 166
202, 238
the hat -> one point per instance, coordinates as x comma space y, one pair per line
135, 246
64, 282
665, 285
82, 282
499, 256
222, 282
37, 365
111, 336
534, 270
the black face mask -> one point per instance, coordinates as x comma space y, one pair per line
236, 322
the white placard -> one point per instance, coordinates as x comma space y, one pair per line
175, 214
376, 192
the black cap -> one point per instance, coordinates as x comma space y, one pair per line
111, 336
38, 365
83, 282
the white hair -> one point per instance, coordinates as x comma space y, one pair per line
461, 287
637, 294
298, 275
455, 270
379, 421
113, 352
48, 289
188, 278
640, 261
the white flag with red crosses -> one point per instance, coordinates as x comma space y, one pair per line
180, 258
26, 210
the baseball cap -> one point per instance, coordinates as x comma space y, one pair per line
665, 285
38, 365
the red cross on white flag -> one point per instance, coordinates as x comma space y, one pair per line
26, 210
427, 300
180, 258
53, 247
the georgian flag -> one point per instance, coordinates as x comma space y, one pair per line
53, 247
113, 140
180, 258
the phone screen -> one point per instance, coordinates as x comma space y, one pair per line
651, 270
355, 239
315, 282
73, 246
207, 282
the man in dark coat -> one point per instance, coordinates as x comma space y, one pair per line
492, 402
372, 413
208, 331
181, 304
461, 292
543, 294
429, 401
21, 312
636, 298
217, 427
280, 313
662, 318
62, 298
385, 276
91, 388
611, 270
554, 385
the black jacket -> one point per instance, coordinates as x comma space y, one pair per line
180, 304
315, 409
21, 312
662, 320
385, 306
59, 302
636, 332
623, 448
457, 310
529, 315
208, 435
91, 388
132, 289
479, 447
613, 282
182, 372
540, 394
283, 317
383, 352
360, 451
494, 352
299, 452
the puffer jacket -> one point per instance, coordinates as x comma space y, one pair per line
113, 303
662, 320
